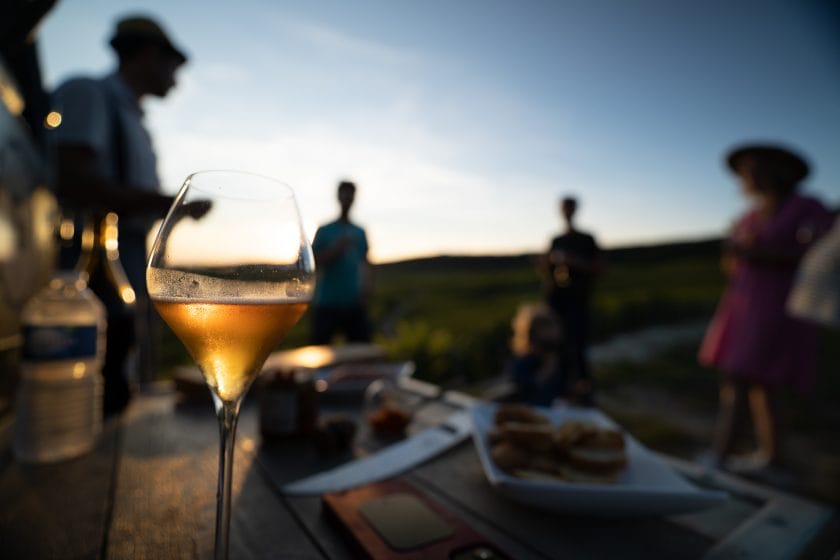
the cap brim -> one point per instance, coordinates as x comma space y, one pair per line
180, 56
177, 53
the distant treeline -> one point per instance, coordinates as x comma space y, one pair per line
635, 254
665, 251
452, 315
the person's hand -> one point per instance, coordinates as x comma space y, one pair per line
559, 257
742, 240
728, 264
738, 249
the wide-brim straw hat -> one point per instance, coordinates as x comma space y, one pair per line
785, 162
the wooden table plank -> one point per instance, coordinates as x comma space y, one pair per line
163, 461
457, 481
461, 477
58, 510
320, 528
779, 525
781, 530
165, 503
515, 546
746, 526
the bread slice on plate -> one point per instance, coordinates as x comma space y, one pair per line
596, 460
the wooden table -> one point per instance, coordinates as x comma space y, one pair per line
148, 491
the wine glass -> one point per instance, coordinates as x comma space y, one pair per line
231, 272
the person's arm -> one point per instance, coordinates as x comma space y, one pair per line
591, 264
367, 273
333, 251
744, 246
542, 263
767, 256
86, 131
80, 183
327, 252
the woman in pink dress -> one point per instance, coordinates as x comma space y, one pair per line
757, 346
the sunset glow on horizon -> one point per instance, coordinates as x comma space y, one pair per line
463, 124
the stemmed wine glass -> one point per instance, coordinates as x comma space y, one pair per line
231, 272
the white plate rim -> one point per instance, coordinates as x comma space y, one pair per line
672, 495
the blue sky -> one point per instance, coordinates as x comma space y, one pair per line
463, 122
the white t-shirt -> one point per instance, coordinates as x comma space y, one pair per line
87, 107
816, 291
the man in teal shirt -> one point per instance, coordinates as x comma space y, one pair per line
340, 301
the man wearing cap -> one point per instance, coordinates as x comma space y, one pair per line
106, 163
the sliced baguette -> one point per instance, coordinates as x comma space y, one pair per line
596, 460
509, 456
521, 413
571, 474
533, 437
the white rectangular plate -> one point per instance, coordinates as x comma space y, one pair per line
647, 486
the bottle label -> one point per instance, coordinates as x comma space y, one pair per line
47, 343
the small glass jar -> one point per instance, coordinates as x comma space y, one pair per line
288, 404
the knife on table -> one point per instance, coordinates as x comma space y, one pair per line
388, 462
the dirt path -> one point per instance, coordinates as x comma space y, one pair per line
641, 346
685, 429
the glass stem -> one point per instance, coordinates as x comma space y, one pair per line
228, 413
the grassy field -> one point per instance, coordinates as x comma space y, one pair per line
452, 315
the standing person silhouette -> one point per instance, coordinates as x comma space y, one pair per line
106, 163
341, 292
572, 263
752, 340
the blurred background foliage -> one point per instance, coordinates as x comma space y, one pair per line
452, 315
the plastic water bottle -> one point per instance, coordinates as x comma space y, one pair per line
59, 398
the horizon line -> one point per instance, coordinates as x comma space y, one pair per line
524, 253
